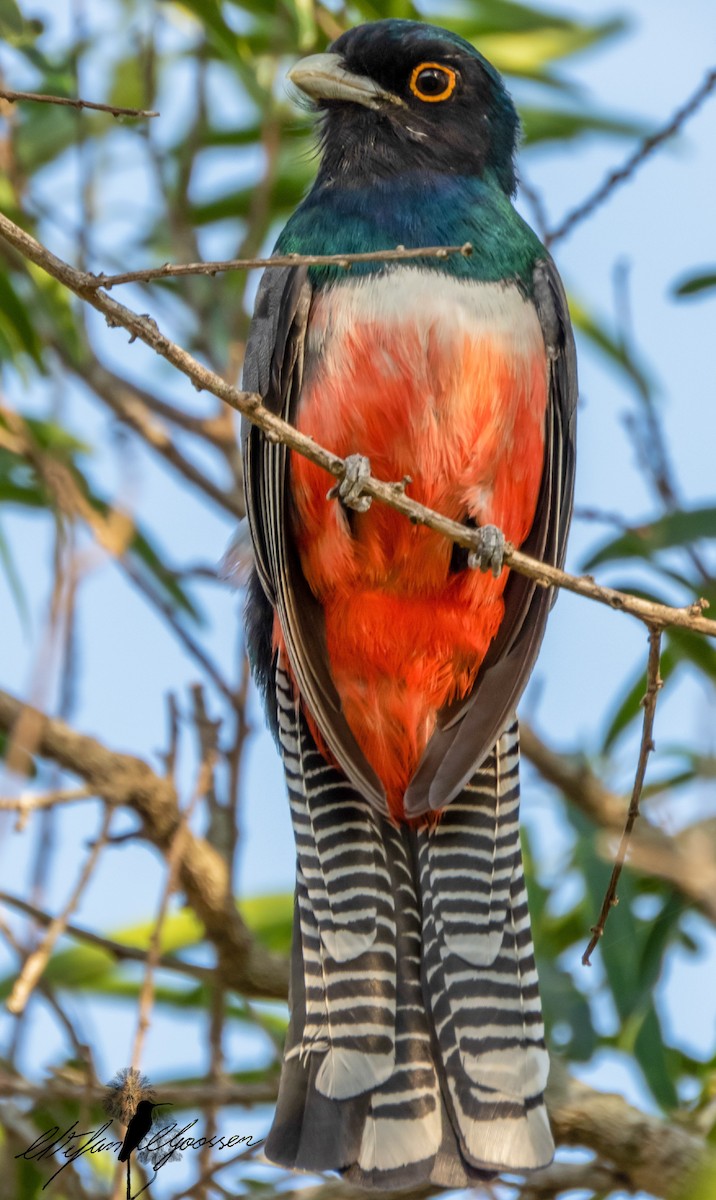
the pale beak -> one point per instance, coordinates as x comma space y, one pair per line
326, 77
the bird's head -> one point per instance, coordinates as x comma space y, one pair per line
399, 96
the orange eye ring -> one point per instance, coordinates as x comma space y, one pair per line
433, 98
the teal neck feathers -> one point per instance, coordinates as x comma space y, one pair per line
415, 210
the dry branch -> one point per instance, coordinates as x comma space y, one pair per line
657, 616
346, 261
70, 102
123, 779
625, 172
641, 1150
119, 951
653, 686
687, 861
35, 964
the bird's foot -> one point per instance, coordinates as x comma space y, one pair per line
349, 489
490, 554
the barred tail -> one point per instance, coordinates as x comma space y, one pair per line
415, 1050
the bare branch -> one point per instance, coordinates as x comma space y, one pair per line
173, 857
625, 172
653, 687
35, 964
658, 616
346, 261
653, 1156
244, 964
29, 802
70, 102
186, 1095
686, 861
118, 950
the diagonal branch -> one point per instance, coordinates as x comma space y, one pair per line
658, 616
244, 964
653, 687
625, 172
686, 861
119, 951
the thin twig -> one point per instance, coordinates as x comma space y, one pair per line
72, 102
191, 645
37, 961
187, 1095
175, 270
623, 173
117, 950
653, 686
245, 965
173, 859
144, 328
29, 802
687, 861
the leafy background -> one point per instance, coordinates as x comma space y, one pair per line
120, 569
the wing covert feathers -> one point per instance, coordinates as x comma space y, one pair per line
415, 1048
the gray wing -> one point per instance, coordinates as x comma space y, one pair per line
467, 731
273, 367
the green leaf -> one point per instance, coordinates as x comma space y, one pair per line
270, 918
681, 528
691, 285
13, 580
12, 22
551, 124
652, 1056
610, 346
20, 334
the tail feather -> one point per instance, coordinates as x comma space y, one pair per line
415, 1048
481, 983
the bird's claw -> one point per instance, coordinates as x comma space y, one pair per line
490, 554
349, 489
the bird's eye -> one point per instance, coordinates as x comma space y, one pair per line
433, 82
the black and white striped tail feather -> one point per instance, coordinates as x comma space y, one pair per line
479, 972
368, 1086
347, 917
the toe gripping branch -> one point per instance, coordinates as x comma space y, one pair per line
349, 489
489, 555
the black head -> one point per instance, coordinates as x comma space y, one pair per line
400, 96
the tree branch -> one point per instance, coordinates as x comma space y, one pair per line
119, 951
625, 172
653, 687
346, 261
658, 616
70, 102
244, 964
686, 861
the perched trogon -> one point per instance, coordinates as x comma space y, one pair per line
392, 661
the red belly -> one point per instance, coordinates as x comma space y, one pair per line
463, 415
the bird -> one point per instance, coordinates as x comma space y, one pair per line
138, 1127
390, 659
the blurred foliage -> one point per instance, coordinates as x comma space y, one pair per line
215, 177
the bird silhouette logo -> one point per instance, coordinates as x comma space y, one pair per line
138, 1127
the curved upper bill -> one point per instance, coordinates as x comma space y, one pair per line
326, 77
